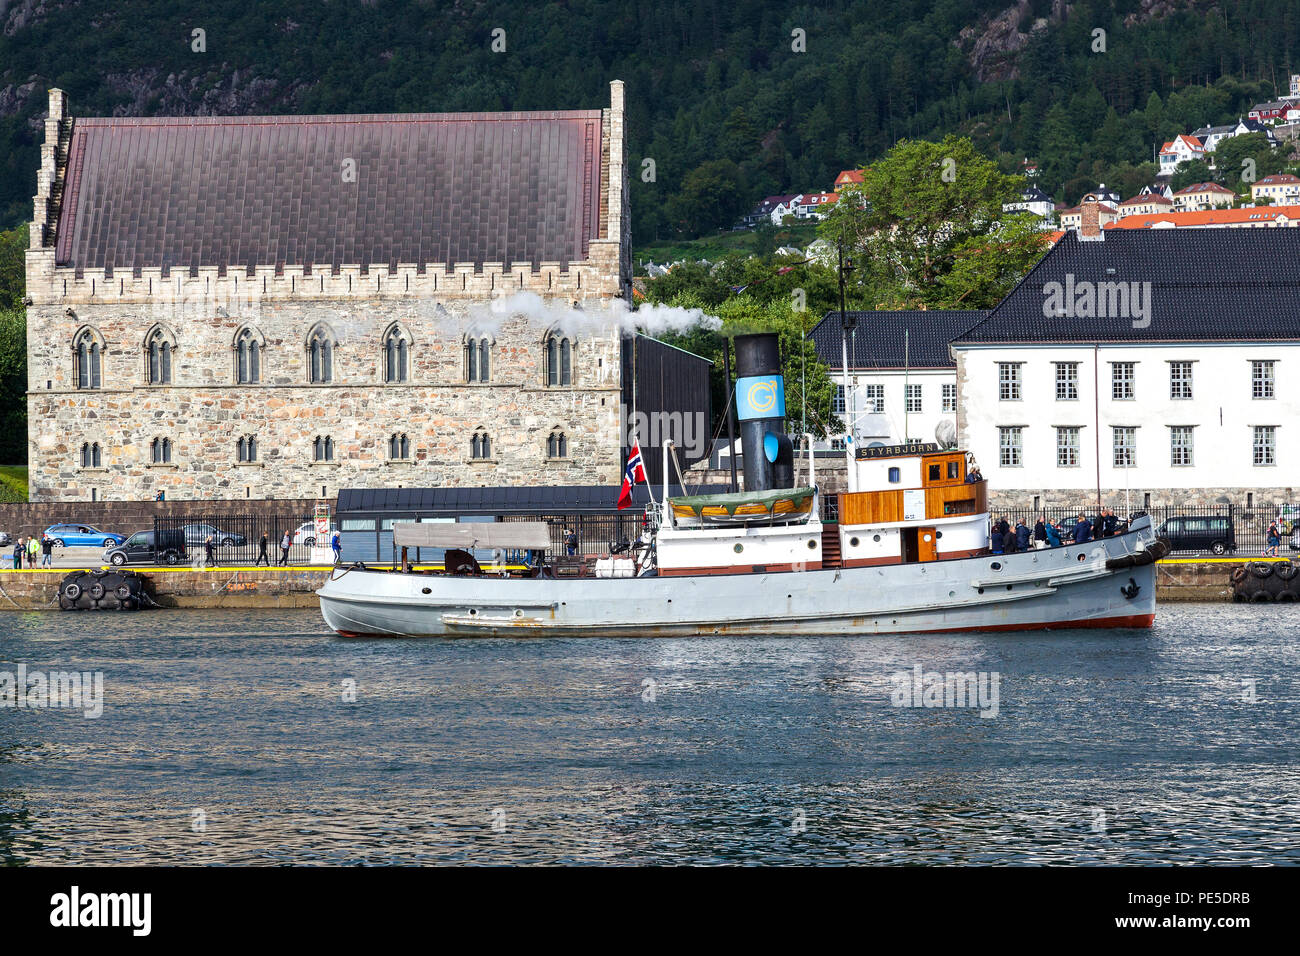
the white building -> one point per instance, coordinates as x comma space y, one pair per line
902, 377
1162, 366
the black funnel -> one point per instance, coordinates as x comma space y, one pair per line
760, 407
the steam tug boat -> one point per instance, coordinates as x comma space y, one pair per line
908, 553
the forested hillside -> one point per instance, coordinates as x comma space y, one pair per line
732, 100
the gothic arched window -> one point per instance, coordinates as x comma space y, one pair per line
557, 446
248, 357
396, 355
480, 445
158, 349
160, 451
323, 448
90, 455
87, 353
320, 355
399, 448
478, 361
246, 448
559, 359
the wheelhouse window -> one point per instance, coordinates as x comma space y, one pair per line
478, 359
559, 359
480, 446
1009, 381
91, 456
246, 449
320, 356
323, 448
399, 447
396, 356
87, 352
248, 358
557, 445
160, 451
158, 358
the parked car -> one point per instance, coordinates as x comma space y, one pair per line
1214, 533
306, 534
144, 546
5, 539
82, 536
197, 534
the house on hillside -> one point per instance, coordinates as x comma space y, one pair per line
1181, 149
1145, 204
1258, 217
815, 205
1071, 219
1212, 136
1083, 377
1200, 196
1275, 112
761, 214
1036, 201
1280, 188
847, 177
788, 206
902, 379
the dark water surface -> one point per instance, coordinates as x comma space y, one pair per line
1108, 747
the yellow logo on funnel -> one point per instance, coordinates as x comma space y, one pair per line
762, 396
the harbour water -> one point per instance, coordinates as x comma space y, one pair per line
234, 737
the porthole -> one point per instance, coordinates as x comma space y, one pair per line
853, 542
426, 590
473, 611
738, 548
938, 534
979, 591
876, 538
518, 613
812, 545
996, 566
1082, 556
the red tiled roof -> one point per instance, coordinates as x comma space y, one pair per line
1207, 217
1204, 188
261, 190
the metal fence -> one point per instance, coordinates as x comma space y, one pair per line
237, 539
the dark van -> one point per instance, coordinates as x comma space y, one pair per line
1212, 533
158, 547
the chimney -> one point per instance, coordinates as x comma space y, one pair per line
1090, 221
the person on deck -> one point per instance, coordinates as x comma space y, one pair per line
1040, 532
1022, 535
1112, 522
1082, 530
1053, 535
33, 549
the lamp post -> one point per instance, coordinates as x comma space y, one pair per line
847, 324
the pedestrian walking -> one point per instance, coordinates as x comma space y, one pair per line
336, 544
47, 551
1272, 539
261, 551
210, 552
570, 542
285, 542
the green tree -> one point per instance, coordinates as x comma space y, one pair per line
13, 267
1247, 154
13, 387
987, 267
711, 197
1187, 174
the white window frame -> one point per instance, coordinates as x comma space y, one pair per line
1067, 381
1011, 446
1180, 380
912, 403
949, 396
1123, 379
1264, 447
1263, 379
1009, 381
1176, 446
1067, 452
1123, 453
873, 399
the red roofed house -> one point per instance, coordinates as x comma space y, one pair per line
1270, 217
1199, 196
1181, 149
849, 177
815, 205
1280, 188
1145, 204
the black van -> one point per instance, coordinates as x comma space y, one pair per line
1199, 533
143, 546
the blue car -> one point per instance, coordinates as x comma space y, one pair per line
82, 536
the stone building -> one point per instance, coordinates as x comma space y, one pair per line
231, 307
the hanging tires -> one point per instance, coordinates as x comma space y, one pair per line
103, 590
1261, 582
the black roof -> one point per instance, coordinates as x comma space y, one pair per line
879, 342
509, 500
1217, 285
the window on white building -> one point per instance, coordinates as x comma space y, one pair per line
1180, 445
1067, 381
837, 407
1180, 380
874, 399
1122, 376
950, 397
1009, 446
1067, 446
912, 398
1265, 445
1124, 441
1009, 381
1261, 379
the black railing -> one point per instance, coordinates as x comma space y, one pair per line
235, 539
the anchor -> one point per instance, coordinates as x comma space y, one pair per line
1132, 590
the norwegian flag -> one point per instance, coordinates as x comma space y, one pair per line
635, 471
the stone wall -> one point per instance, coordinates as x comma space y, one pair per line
126, 517
204, 413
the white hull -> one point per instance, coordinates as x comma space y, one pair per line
1053, 588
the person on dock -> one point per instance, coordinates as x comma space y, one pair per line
336, 544
20, 546
261, 551
33, 549
285, 542
210, 552
47, 551
1272, 539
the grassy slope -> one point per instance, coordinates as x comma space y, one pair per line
13, 482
